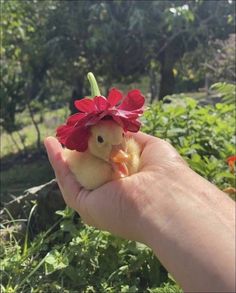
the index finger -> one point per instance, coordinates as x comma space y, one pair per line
70, 188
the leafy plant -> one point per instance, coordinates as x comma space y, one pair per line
226, 90
78, 258
204, 136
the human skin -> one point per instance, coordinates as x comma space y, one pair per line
184, 219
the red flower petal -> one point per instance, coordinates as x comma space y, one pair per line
63, 132
85, 105
78, 139
94, 119
231, 159
74, 138
114, 96
127, 114
75, 134
101, 103
75, 118
131, 125
133, 101
118, 120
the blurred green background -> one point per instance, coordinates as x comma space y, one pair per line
181, 54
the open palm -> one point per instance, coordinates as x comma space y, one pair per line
121, 206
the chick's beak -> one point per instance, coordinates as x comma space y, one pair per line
118, 155
118, 159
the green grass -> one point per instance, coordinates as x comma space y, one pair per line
24, 171
19, 177
20, 171
50, 121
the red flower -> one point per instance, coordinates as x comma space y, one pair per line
75, 134
231, 162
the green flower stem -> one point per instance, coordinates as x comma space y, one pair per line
94, 86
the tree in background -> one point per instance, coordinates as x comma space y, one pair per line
120, 40
208, 65
48, 46
67, 34
221, 63
128, 38
27, 57
172, 28
17, 30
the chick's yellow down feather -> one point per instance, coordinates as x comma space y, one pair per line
110, 155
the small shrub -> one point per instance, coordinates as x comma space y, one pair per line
204, 136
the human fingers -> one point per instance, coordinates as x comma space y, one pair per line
70, 188
143, 139
106, 208
113, 207
156, 151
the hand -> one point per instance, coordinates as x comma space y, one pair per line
122, 206
186, 220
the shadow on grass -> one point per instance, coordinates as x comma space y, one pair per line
21, 171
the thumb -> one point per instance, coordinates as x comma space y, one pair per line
69, 187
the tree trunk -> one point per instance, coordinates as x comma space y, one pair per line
207, 84
167, 84
167, 61
15, 142
77, 94
35, 125
22, 140
153, 85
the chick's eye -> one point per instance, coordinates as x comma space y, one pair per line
123, 134
100, 139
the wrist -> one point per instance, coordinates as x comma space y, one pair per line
183, 228
179, 195
169, 194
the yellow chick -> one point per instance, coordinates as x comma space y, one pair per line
110, 155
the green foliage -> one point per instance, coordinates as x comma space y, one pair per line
54, 261
49, 46
78, 258
204, 136
226, 90
13, 35
26, 58
47, 121
81, 259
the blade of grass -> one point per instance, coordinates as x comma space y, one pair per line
27, 230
